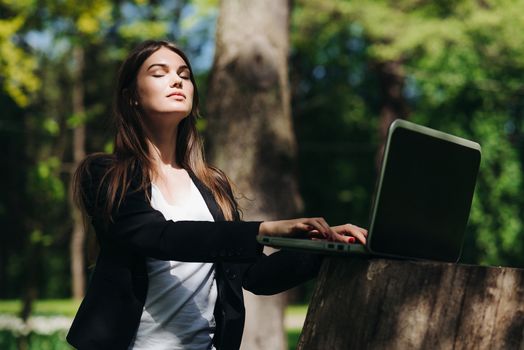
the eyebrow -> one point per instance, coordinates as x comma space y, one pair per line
165, 66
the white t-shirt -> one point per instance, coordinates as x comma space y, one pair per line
181, 296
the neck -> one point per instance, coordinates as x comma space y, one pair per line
162, 146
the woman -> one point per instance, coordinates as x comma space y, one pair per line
174, 255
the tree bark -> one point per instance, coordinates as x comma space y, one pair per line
389, 304
250, 132
77, 247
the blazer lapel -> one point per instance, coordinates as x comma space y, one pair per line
208, 198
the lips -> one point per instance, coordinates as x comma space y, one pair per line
177, 94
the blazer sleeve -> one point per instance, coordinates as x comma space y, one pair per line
139, 227
280, 271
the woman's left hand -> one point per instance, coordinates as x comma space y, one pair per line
360, 234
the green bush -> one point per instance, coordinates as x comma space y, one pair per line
35, 341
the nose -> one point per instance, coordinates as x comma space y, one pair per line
176, 81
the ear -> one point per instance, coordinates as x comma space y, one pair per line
132, 101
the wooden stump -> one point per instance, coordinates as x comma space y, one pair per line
363, 303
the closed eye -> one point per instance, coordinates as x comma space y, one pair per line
184, 73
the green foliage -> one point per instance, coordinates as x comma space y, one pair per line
38, 74
45, 183
293, 335
496, 214
144, 30
462, 63
334, 124
80, 20
76, 120
55, 341
17, 67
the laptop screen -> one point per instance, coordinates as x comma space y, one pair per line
424, 200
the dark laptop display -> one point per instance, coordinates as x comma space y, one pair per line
422, 199
425, 196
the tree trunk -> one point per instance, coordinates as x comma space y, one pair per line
78, 235
250, 132
15, 229
394, 106
390, 304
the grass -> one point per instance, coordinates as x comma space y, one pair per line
292, 338
297, 310
293, 334
65, 307
68, 307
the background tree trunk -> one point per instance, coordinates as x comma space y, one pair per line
390, 304
78, 234
394, 105
14, 198
250, 132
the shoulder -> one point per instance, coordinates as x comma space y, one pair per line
96, 163
94, 168
89, 176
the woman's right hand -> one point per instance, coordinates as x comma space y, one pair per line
303, 226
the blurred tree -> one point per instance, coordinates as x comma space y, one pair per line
19, 82
74, 49
460, 63
83, 26
251, 134
393, 105
11, 137
17, 67
336, 99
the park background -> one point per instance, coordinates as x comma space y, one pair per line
351, 68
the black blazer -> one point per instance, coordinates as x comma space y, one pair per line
109, 315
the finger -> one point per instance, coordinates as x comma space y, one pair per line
302, 226
362, 230
352, 230
357, 232
301, 229
331, 234
319, 228
337, 236
320, 225
328, 231
316, 235
343, 239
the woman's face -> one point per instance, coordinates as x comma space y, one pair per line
164, 86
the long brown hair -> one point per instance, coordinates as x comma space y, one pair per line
131, 152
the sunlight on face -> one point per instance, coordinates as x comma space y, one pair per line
164, 87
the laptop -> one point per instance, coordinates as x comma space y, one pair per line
421, 202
